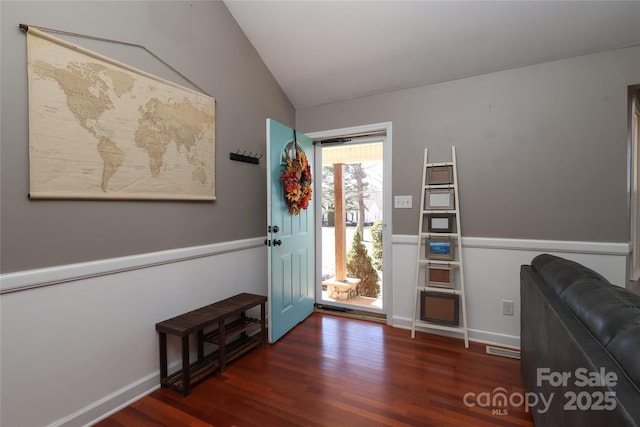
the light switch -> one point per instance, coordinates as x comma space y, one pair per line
402, 202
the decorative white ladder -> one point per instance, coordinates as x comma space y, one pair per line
454, 289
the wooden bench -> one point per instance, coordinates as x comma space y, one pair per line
231, 331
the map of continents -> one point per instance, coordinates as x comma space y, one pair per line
99, 130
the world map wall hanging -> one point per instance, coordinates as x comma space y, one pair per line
100, 129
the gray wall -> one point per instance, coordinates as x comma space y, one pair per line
202, 40
542, 150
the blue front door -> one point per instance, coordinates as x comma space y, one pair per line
290, 236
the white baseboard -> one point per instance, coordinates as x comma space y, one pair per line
112, 403
483, 337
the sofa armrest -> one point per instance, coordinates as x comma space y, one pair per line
554, 340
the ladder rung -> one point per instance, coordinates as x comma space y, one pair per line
439, 261
438, 234
442, 211
441, 290
440, 327
427, 187
429, 165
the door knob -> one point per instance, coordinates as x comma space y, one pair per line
277, 242
276, 228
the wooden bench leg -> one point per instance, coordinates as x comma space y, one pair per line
263, 328
163, 357
200, 345
186, 375
222, 347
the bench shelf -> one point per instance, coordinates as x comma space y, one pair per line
236, 327
197, 372
239, 347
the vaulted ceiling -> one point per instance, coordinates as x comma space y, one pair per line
325, 51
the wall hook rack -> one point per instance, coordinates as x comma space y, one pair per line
244, 157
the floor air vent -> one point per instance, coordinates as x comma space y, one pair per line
497, 351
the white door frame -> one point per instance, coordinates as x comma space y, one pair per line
387, 273
635, 188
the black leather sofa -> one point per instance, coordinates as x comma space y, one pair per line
580, 345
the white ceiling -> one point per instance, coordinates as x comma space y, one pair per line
324, 51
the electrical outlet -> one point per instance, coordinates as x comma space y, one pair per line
507, 307
402, 202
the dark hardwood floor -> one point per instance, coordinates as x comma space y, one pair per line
336, 371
